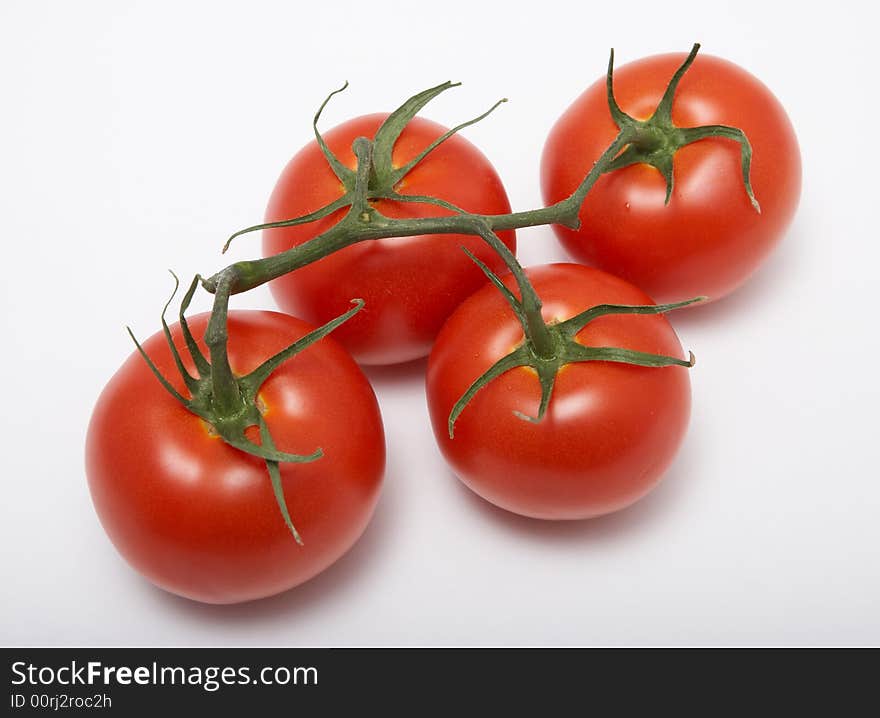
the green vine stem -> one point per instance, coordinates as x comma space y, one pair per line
229, 402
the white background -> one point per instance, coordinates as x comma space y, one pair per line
136, 136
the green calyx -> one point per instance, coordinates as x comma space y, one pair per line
381, 177
656, 140
229, 403
557, 344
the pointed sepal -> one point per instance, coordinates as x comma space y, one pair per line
392, 127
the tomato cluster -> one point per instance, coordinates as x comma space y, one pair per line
558, 392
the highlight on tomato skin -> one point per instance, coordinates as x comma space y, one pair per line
410, 285
239, 478
708, 240
611, 430
196, 516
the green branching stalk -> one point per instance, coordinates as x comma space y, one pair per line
228, 402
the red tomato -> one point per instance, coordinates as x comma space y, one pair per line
198, 517
610, 430
410, 285
708, 239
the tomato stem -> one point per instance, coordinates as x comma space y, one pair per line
654, 141
226, 396
229, 403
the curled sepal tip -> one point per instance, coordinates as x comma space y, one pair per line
695, 134
580, 353
343, 173
572, 326
547, 380
518, 357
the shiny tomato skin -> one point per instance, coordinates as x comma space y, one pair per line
410, 285
708, 240
198, 517
610, 431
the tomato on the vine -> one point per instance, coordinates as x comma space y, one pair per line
198, 517
610, 429
709, 238
410, 285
